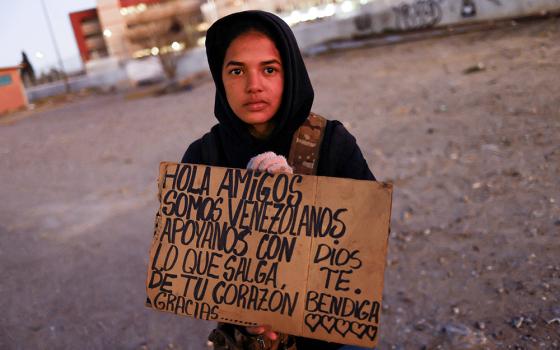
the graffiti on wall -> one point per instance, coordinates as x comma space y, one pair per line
468, 8
363, 22
418, 14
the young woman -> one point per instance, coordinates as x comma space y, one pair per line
263, 95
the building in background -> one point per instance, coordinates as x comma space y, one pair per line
89, 34
127, 29
215, 9
163, 27
12, 92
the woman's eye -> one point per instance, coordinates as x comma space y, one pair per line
269, 70
235, 71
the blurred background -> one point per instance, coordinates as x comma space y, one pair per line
454, 101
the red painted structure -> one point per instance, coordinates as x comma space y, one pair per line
12, 92
77, 18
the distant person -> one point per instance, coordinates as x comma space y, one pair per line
264, 98
27, 72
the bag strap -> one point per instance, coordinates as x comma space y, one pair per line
306, 145
303, 158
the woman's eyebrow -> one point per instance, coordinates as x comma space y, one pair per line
273, 61
234, 63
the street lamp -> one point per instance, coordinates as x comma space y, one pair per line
55, 47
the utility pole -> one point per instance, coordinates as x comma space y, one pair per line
45, 11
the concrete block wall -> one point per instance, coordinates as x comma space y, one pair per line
193, 62
405, 15
103, 80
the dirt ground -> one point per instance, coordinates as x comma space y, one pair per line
474, 252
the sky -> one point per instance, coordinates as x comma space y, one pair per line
23, 27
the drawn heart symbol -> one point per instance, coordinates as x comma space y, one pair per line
371, 332
328, 323
358, 329
312, 321
342, 326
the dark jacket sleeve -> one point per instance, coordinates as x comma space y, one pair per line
206, 150
193, 154
340, 155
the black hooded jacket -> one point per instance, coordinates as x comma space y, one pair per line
229, 143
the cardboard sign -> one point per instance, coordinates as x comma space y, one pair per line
304, 254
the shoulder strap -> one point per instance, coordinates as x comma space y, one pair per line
306, 145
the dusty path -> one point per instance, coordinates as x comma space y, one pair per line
474, 253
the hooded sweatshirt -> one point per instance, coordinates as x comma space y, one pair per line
230, 144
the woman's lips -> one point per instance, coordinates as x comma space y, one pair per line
256, 106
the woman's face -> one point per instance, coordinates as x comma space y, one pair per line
254, 80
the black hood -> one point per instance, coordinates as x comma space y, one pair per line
297, 97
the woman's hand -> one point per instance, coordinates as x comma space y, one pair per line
271, 163
262, 330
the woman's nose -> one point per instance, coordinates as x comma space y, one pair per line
254, 82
